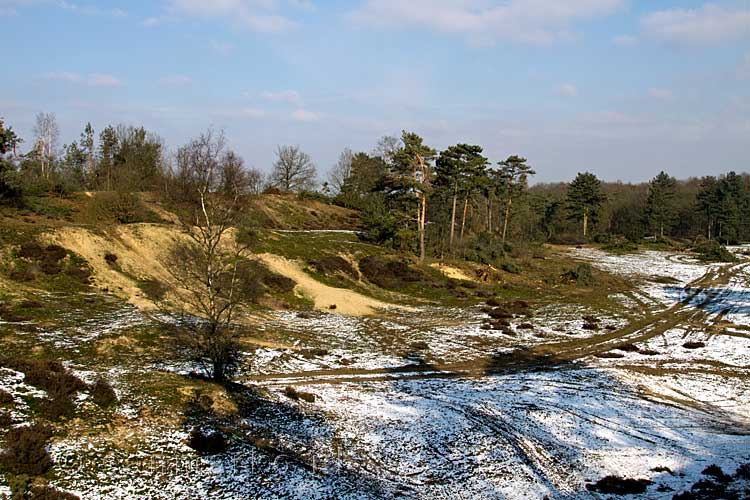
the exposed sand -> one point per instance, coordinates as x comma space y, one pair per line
346, 301
452, 272
140, 251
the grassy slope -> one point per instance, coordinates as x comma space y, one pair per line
62, 316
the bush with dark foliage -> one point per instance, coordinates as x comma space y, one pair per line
102, 393
52, 377
25, 451
387, 273
331, 264
615, 485
582, 274
210, 443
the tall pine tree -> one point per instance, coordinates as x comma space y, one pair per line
660, 206
585, 199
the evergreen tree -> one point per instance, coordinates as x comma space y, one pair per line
459, 169
585, 199
512, 182
730, 202
107, 153
660, 207
74, 165
88, 147
412, 179
708, 202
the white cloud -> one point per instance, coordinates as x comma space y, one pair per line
661, 94
568, 90
257, 15
176, 80
90, 9
289, 96
151, 22
625, 40
303, 115
100, 80
708, 24
63, 76
483, 21
93, 80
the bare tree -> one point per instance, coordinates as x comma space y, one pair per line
256, 181
293, 170
207, 264
387, 148
341, 171
47, 136
234, 178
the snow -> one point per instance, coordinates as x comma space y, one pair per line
390, 421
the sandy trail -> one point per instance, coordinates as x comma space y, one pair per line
347, 302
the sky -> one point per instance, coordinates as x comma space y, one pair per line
621, 88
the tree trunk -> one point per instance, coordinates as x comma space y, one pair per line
463, 220
453, 220
662, 231
489, 215
422, 216
507, 217
585, 222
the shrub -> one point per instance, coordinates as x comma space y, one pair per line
102, 393
582, 274
47, 492
510, 267
278, 283
31, 251
294, 394
153, 289
110, 258
5, 397
614, 485
124, 208
388, 273
713, 251
49, 375
208, 443
79, 274
25, 451
331, 264
55, 379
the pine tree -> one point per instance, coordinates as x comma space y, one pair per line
708, 202
414, 178
88, 147
660, 207
107, 153
585, 199
460, 169
512, 181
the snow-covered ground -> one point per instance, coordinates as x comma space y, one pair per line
391, 419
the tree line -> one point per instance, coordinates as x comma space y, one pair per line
411, 196
128, 159
457, 201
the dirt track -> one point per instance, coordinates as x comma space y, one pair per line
702, 296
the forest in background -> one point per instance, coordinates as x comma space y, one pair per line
455, 202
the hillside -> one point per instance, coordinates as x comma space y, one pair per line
345, 339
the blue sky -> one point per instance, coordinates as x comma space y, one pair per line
623, 88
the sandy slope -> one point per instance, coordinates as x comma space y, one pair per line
346, 301
140, 251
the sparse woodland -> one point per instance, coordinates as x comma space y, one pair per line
453, 203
